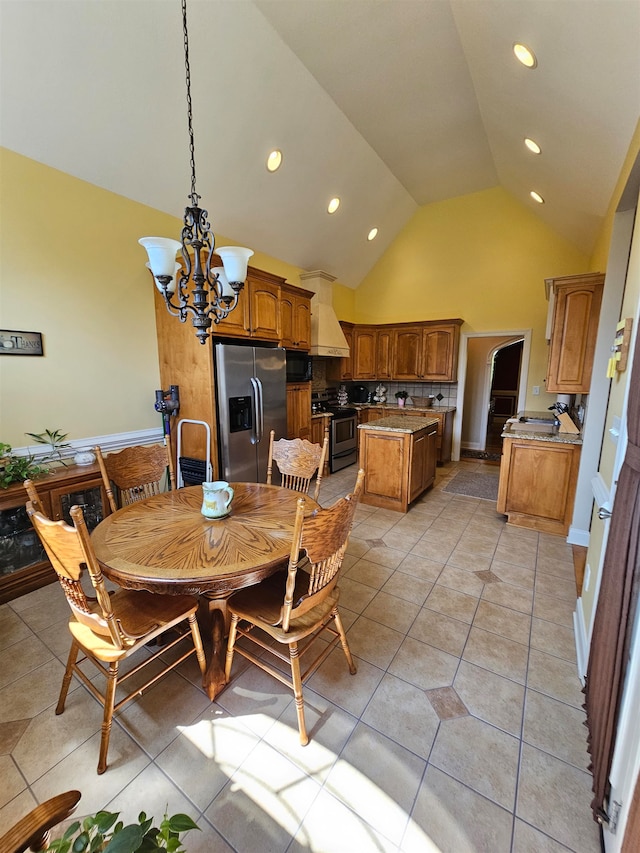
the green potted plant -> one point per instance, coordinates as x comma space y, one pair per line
16, 469
55, 441
104, 832
401, 396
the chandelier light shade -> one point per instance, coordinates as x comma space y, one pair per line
206, 294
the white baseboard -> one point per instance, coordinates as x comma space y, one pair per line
577, 536
471, 445
108, 443
580, 633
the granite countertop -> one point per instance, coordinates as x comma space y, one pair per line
321, 415
539, 432
399, 423
408, 409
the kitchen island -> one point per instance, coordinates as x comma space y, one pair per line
444, 414
538, 473
398, 455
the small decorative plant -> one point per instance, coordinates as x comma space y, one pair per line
16, 469
401, 396
104, 832
55, 441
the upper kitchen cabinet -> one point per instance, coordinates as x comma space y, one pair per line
364, 353
384, 340
574, 311
341, 369
257, 314
426, 351
295, 317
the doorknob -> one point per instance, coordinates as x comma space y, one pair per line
604, 513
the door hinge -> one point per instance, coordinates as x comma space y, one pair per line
610, 819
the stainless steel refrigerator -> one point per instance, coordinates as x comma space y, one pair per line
252, 400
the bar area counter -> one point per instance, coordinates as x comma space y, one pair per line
398, 455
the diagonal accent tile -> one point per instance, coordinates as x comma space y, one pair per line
487, 576
10, 734
446, 703
376, 543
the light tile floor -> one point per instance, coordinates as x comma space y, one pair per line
462, 730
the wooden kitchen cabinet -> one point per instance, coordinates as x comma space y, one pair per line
341, 369
384, 341
426, 351
295, 317
23, 562
257, 314
364, 355
298, 410
399, 464
575, 312
538, 483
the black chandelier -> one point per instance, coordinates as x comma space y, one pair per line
214, 290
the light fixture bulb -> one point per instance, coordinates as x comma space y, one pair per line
334, 204
525, 55
274, 160
532, 146
372, 234
536, 197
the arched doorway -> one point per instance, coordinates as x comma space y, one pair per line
503, 392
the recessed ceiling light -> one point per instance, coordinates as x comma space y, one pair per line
372, 234
274, 160
532, 146
525, 55
536, 197
334, 204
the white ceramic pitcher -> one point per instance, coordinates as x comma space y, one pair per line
216, 499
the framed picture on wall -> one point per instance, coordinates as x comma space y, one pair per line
20, 343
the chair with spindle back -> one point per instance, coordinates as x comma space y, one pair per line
110, 628
297, 460
33, 830
136, 472
302, 606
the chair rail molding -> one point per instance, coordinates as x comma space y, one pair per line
115, 441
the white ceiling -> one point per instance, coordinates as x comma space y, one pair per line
389, 104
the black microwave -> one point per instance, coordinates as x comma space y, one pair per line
299, 367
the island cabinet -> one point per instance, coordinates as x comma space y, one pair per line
257, 314
574, 312
298, 410
341, 369
23, 562
295, 317
426, 351
538, 483
398, 455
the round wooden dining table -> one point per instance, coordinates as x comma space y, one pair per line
165, 545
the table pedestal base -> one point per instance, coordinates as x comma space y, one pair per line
213, 618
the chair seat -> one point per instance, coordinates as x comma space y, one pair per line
142, 614
262, 605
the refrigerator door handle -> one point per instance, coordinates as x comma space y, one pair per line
258, 410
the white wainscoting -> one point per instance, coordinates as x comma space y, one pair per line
108, 443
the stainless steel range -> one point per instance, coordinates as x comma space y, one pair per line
343, 435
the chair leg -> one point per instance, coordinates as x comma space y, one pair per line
197, 642
343, 640
68, 674
109, 700
231, 642
294, 660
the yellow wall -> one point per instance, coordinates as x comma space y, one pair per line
482, 257
71, 268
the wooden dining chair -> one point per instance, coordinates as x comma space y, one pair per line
297, 460
136, 472
111, 628
33, 830
300, 607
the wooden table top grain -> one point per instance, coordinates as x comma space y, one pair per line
164, 543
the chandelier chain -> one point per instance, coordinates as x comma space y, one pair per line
194, 196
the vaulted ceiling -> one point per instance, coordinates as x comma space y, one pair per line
388, 104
